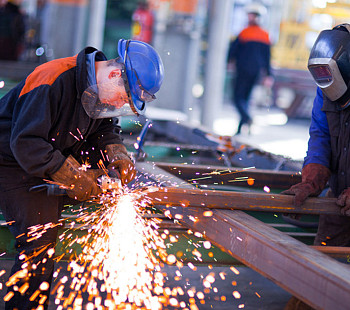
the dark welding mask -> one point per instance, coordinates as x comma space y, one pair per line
329, 63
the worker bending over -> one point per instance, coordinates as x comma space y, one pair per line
48, 122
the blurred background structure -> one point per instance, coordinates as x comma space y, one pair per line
193, 118
192, 37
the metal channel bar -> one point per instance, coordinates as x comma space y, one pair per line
255, 178
312, 276
318, 280
247, 201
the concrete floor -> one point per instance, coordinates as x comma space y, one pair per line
271, 130
256, 291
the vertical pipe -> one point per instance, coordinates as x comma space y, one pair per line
193, 57
96, 26
218, 39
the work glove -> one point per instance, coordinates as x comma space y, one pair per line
314, 178
120, 160
344, 202
81, 184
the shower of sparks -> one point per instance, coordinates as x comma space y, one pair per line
121, 259
209, 175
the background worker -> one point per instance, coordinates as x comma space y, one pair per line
250, 52
12, 29
47, 122
328, 158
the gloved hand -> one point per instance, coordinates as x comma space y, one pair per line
314, 178
344, 202
119, 159
82, 184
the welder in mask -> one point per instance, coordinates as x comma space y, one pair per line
47, 122
328, 157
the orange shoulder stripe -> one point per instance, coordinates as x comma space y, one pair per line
47, 73
254, 33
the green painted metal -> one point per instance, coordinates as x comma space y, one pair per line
187, 248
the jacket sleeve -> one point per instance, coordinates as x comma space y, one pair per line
232, 52
267, 59
32, 119
319, 145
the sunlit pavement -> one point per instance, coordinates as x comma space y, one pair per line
271, 131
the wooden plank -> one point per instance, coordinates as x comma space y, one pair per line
233, 176
190, 197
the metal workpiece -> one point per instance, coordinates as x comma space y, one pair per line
312, 276
317, 279
248, 201
233, 176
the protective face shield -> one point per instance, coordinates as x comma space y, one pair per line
329, 62
109, 99
96, 108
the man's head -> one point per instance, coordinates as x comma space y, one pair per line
254, 12
126, 84
144, 71
329, 63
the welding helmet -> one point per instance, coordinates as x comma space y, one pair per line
141, 77
144, 71
329, 63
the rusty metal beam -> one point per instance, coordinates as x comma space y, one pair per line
190, 197
312, 276
218, 175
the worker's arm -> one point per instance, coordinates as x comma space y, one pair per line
232, 52
107, 139
32, 119
319, 145
315, 172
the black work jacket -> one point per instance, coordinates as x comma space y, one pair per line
42, 120
339, 129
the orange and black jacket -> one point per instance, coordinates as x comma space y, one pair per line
251, 51
42, 120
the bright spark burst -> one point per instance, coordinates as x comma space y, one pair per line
118, 257
121, 259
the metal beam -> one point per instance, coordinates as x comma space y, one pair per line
318, 280
203, 199
202, 174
